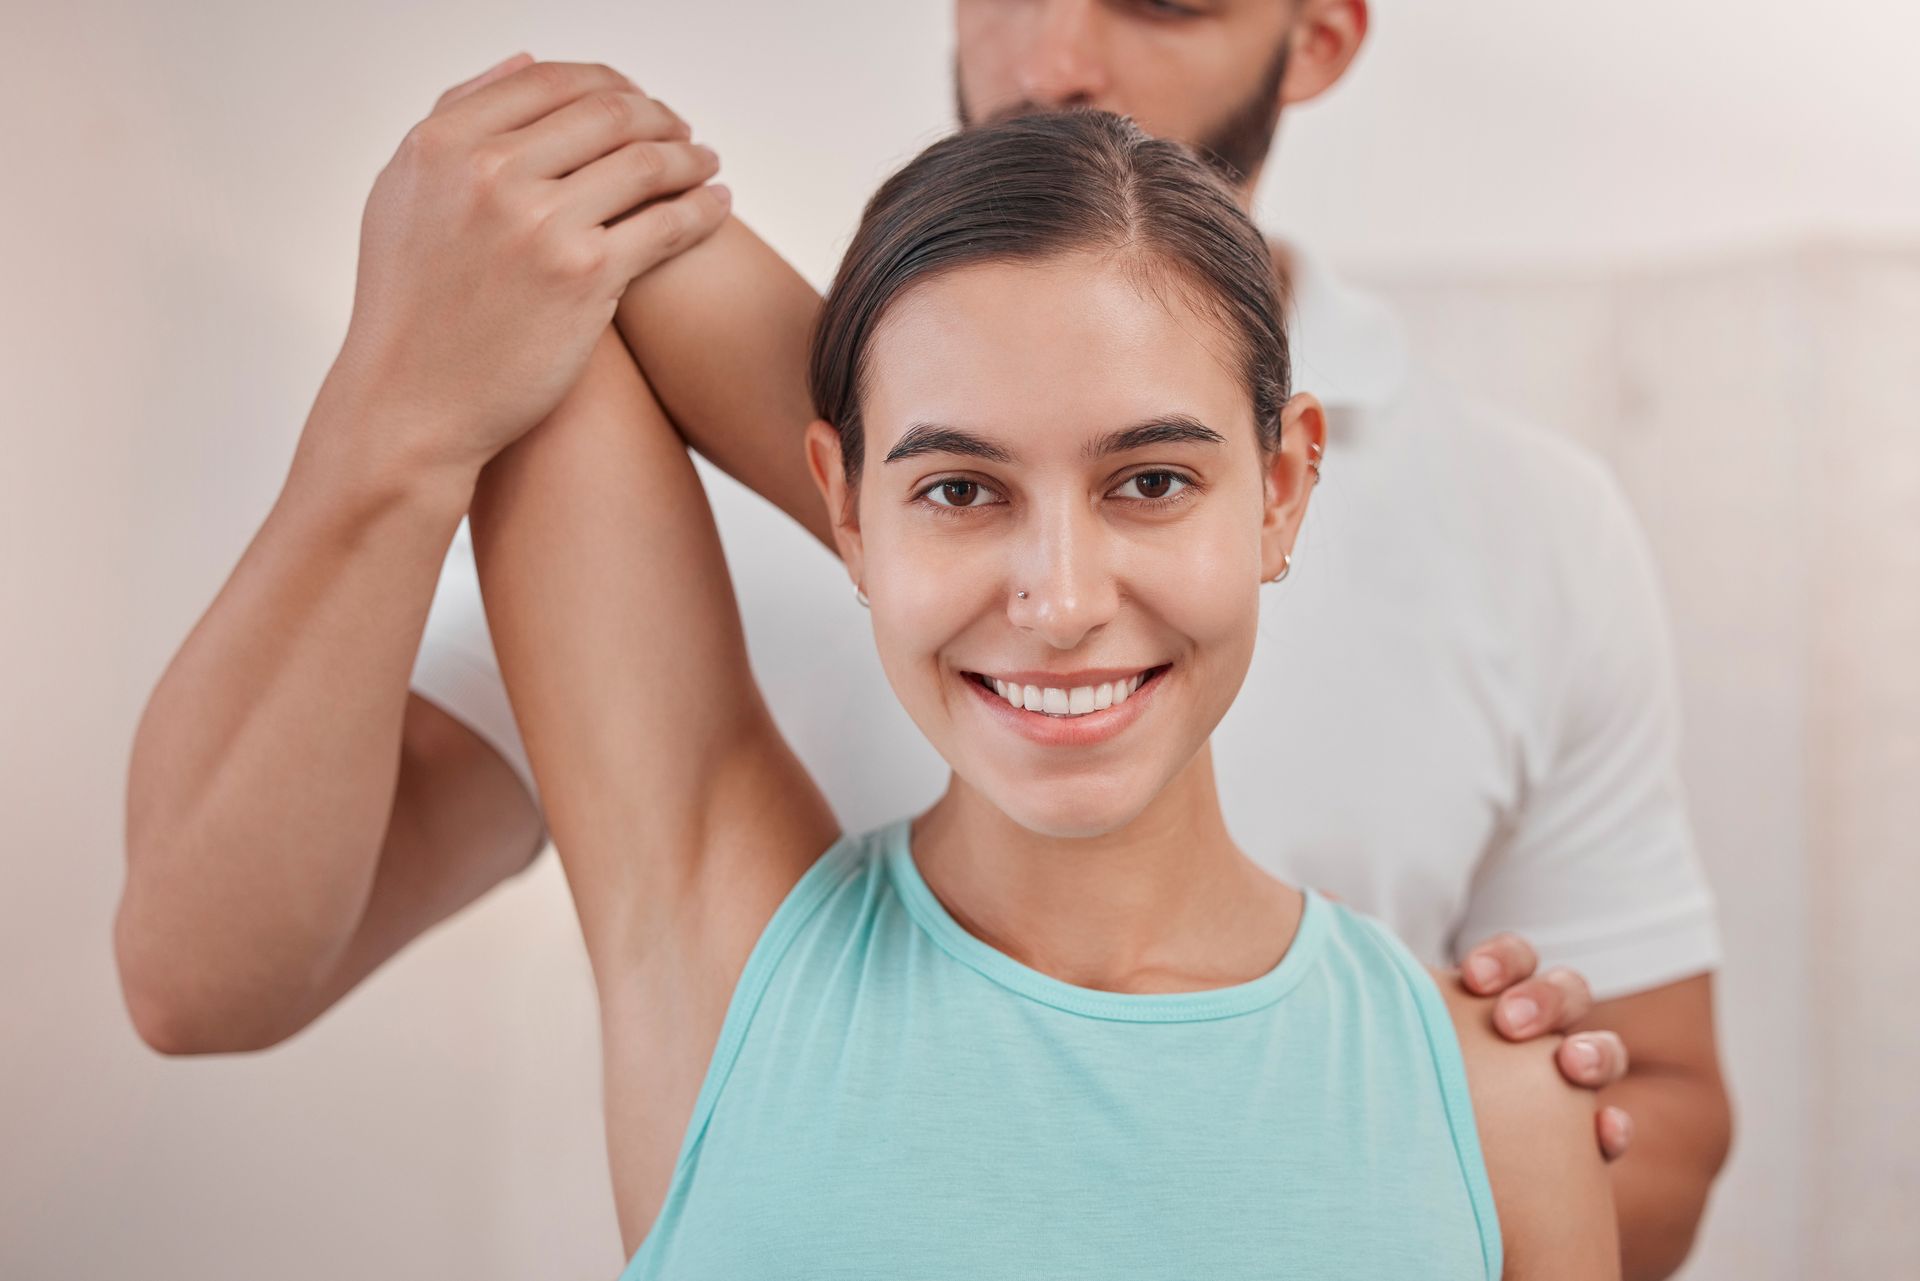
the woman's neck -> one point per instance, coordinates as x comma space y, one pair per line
1167, 903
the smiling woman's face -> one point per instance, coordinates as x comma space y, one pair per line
1052, 427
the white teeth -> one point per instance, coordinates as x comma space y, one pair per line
1077, 701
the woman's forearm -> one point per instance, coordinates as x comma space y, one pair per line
721, 333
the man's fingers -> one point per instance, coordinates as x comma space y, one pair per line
1552, 1002
491, 74
1615, 1129
655, 233
589, 128
1592, 1059
521, 97
1496, 964
638, 172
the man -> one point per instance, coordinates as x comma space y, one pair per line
1471, 633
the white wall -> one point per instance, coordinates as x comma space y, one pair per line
1537, 184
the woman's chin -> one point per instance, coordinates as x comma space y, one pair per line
1078, 809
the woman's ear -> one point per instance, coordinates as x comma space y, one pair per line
826, 463
1292, 471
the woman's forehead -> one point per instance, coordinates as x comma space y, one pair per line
1054, 349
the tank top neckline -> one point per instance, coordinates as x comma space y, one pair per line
1135, 1007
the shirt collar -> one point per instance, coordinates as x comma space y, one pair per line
1347, 346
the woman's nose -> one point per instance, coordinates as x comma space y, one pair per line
1060, 585
1064, 66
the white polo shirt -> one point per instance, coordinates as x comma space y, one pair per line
1461, 716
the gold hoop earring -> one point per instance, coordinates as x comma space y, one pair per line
1286, 567
860, 595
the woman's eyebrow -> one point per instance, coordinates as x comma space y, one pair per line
1168, 429
932, 438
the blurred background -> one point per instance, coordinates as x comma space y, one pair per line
1686, 235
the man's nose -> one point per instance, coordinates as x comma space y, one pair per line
1061, 586
1066, 65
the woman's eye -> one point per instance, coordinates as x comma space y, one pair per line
1152, 485
958, 493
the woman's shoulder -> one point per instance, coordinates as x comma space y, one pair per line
1550, 1184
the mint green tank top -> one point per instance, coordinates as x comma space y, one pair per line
890, 1097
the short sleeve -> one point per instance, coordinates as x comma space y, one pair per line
456, 668
1597, 866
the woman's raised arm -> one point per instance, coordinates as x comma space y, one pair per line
674, 803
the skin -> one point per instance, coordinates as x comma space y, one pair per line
294, 814
254, 900
683, 818
1031, 838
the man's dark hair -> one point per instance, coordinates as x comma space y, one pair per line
1034, 187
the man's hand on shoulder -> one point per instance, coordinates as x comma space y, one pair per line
1531, 1005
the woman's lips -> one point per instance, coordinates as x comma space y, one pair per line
1053, 730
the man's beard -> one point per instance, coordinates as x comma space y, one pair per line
1234, 149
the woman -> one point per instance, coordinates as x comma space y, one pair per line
1058, 1024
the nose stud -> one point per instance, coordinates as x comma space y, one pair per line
1021, 595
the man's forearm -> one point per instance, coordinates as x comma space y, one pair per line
721, 332
1682, 1127
264, 767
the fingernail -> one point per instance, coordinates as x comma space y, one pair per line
1521, 1013
1585, 1056
706, 151
1483, 970
721, 191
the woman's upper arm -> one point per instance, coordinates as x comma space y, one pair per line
1550, 1184
672, 799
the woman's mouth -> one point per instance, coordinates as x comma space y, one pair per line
1063, 701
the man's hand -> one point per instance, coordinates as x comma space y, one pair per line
1533, 1006
495, 246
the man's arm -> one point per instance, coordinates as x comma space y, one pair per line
1683, 1120
1598, 870
294, 815
721, 333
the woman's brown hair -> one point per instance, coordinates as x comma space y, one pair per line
1040, 185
